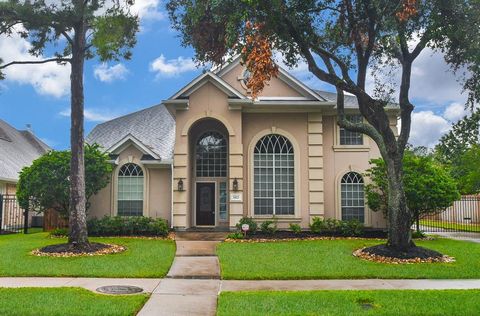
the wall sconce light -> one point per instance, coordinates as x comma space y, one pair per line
235, 184
180, 185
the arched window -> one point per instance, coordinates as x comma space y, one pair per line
211, 155
353, 201
130, 190
274, 186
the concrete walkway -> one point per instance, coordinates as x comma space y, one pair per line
466, 236
193, 282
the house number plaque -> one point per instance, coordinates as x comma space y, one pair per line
236, 197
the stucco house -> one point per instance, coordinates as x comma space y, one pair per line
210, 155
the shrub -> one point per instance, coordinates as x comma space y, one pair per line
317, 225
332, 224
127, 226
251, 223
235, 235
418, 234
59, 232
351, 228
269, 227
295, 228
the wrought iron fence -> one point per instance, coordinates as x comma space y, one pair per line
462, 216
12, 217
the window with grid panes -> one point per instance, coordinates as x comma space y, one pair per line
352, 197
348, 137
211, 155
274, 186
130, 190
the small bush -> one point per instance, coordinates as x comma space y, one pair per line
235, 235
269, 227
251, 223
59, 232
317, 225
297, 229
127, 226
332, 224
351, 228
417, 234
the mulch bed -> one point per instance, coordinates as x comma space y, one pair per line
384, 254
66, 250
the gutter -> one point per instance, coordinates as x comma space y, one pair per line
171, 199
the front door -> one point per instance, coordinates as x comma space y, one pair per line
205, 203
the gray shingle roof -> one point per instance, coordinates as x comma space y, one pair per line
350, 100
154, 127
18, 149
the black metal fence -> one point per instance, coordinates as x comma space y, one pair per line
462, 216
12, 217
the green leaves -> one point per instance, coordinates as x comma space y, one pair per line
429, 188
45, 184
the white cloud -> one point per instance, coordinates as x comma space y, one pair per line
94, 115
172, 67
427, 128
47, 79
148, 9
105, 73
455, 112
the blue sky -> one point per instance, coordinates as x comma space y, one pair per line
38, 95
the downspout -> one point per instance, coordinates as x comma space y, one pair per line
171, 199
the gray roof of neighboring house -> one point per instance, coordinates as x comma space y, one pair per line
154, 127
18, 149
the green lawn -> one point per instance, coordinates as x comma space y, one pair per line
448, 225
145, 258
380, 302
333, 259
66, 301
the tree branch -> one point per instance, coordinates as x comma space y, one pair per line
69, 39
33, 62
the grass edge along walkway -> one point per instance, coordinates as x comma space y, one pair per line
31, 301
358, 302
333, 259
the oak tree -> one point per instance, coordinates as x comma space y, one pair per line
342, 41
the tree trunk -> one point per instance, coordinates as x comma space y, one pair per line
399, 218
78, 220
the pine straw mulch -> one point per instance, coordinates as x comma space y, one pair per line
382, 254
66, 251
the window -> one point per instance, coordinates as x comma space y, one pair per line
223, 208
274, 191
352, 196
130, 190
348, 137
211, 155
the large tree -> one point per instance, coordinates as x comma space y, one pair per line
341, 41
77, 30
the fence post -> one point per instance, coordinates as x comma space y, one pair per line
1, 211
25, 221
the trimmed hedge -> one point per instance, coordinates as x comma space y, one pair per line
127, 226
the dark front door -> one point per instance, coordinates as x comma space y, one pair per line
206, 203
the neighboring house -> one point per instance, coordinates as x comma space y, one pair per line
210, 155
18, 149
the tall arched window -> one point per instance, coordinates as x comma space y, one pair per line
274, 186
352, 197
211, 155
130, 190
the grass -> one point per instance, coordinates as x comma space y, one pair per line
332, 259
67, 301
380, 302
453, 226
144, 258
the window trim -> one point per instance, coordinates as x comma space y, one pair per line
348, 148
114, 185
296, 174
338, 195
